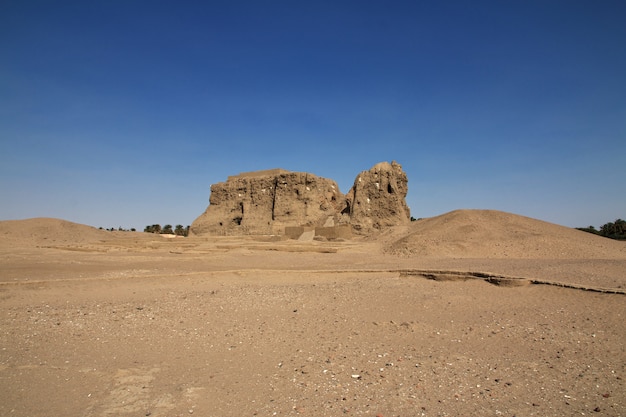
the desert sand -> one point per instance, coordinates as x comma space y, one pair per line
470, 313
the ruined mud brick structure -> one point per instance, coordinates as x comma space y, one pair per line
281, 202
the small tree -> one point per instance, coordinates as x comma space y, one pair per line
612, 230
179, 230
155, 228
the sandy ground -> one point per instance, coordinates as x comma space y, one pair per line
96, 323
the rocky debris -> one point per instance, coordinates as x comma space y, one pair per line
271, 201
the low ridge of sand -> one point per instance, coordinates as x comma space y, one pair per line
496, 234
45, 230
96, 323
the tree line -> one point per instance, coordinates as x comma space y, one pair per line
179, 230
119, 229
612, 230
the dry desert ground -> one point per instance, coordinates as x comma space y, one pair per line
472, 313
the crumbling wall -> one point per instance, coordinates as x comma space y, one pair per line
378, 198
271, 201
267, 202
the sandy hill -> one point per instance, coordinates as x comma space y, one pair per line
42, 231
496, 234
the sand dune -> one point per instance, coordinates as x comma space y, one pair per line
494, 234
45, 231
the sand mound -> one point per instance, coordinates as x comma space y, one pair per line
496, 234
43, 231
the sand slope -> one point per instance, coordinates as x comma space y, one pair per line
495, 234
49, 232
44, 231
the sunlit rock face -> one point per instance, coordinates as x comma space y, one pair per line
266, 202
378, 198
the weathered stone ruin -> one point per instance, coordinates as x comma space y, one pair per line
280, 202
378, 198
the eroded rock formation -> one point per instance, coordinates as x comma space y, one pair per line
378, 198
267, 202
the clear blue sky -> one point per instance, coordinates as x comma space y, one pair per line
123, 113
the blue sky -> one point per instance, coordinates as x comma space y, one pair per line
123, 113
